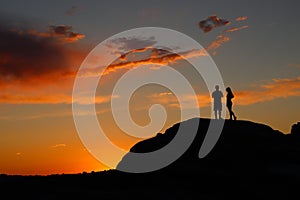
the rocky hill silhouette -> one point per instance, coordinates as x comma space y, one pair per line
249, 161
242, 146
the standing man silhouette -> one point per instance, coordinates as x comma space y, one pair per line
217, 95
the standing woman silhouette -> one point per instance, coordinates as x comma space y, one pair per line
230, 96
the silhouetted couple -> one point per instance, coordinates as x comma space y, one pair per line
217, 95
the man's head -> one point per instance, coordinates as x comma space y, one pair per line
217, 87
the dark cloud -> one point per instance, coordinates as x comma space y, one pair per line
72, 36
126, 44
65, 33
60, 33
60, 29
152, 52
124, 47
212, 22
24, 55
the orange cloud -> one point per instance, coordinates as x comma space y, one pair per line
165, 59
34, 99
28, 56
72, 37
51, 99
242, 18
158, 56
170, 100
59, 145
34, 65
277, 88
220, 40
61, 33
164, 93
30, 76
235, 29
153, 55
123, 57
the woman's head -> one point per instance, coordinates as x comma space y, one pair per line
228, 89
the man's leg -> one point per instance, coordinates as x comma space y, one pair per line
220, 114
216, 114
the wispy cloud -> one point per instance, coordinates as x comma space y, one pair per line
27, 86
268, 91
235, 29
277, 88
171, 101
274, 89
52, 99
212, 22
218, 42
45, 74
62, 33
154, 56
164, 93
52, 114
242, 18
163, 60
59, 145
31, 99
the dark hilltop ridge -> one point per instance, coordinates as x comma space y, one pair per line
249, 161
243, 145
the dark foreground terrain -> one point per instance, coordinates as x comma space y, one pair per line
250, 161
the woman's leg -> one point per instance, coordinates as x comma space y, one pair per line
232, 113
229, 106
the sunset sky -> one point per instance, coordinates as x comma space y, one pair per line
43, 44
